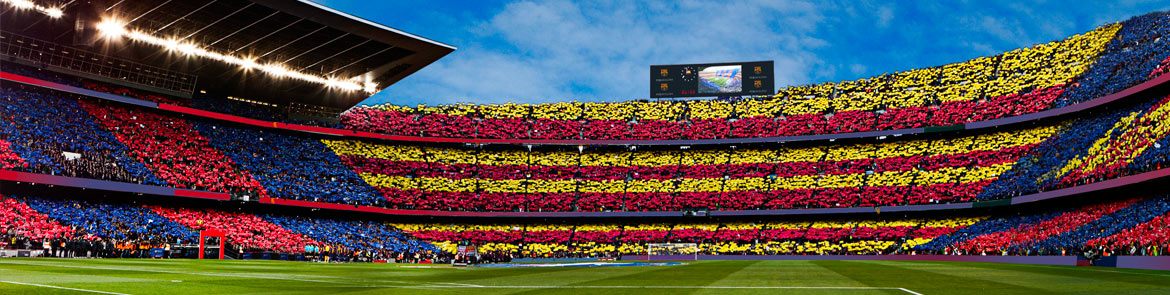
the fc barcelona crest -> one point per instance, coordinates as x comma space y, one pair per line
663, 73
759, 83
662, 86
758, 70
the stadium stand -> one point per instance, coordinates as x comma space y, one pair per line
55, 135
120, 142
175, 150
117, 222
1022, 81
289, 167
1117, 224
17, 219
57, 132
347, 236
246, 230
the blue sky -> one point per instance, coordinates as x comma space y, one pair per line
547, 51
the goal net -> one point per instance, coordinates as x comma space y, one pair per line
672, 251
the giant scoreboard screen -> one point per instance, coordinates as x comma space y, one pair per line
708, 80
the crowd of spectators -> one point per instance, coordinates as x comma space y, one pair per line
289, 166
125, 223
609, 240
1111, 156
116, 229
9, 159
372, 240
175, 150
1017, 82
1128, 59
1027, 235
52, 134
18, 220
1119, 142
249, 232
56, 135
909, 172
1111, 227
1124, 227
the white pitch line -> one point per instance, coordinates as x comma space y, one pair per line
657, 287
1096, 270
63, 288
230, 275
421, 285
908, 291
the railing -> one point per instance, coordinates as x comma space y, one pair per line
44, 53
1140, 88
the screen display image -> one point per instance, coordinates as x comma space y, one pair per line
721, 79
712, 80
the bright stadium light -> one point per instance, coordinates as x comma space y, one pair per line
112, 28
53, 12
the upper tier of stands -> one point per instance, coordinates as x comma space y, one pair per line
53, 134
1027, 80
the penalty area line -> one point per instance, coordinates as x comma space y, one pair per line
468, 286
63, 288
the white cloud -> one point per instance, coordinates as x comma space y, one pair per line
589, 51
857, 69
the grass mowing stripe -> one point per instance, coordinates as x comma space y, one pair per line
63, 288
1057, 278
230, 275
874, 274
697, 274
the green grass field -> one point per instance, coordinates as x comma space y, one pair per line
138, 276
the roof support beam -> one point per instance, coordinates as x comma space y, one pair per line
148, 12
291, 42
360, 60
217, 21
334, 55
266, 36
244, 28
115, 5
182, 17
315, 48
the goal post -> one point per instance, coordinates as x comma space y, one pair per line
672, 251
211, 241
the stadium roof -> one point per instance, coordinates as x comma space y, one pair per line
299, 37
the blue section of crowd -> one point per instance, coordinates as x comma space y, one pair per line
360, 235
291, 167
1110, 224
126, 223
41, 127
1039, 170
984, 227
1126, 61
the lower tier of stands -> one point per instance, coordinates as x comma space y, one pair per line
1130, 226
1133, 226
30, 222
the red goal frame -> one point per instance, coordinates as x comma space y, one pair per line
211, 233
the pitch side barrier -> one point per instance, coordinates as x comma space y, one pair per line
6, 175
1079, 189
1136, 262
370, 135
106, 185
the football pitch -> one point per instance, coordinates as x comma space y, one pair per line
140, 276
